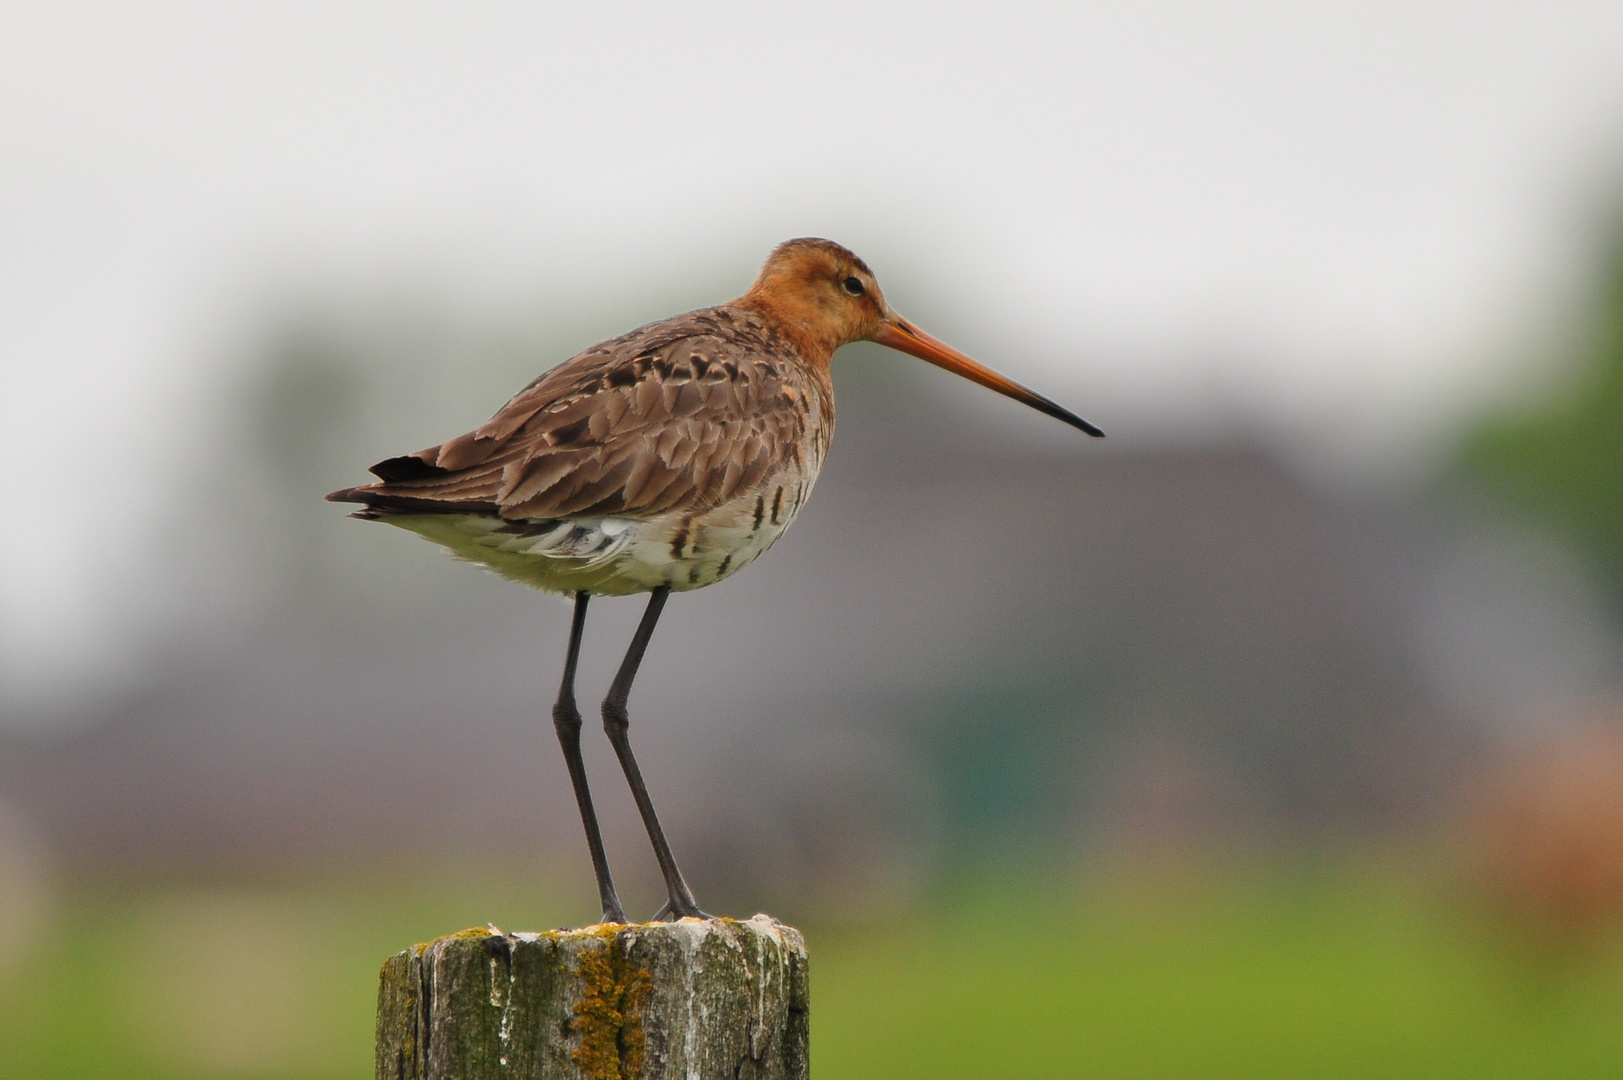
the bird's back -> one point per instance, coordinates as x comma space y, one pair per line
672, 455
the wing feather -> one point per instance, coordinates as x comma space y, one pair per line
684, 413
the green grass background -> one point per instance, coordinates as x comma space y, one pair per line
1356, 970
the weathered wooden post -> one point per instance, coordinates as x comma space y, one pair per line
697, 999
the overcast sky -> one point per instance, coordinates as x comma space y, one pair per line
1303, 212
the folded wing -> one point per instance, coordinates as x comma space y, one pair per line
684, 413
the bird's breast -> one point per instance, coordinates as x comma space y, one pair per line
691, 549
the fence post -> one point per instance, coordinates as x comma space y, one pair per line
690, 1000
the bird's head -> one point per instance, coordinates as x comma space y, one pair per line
822, 296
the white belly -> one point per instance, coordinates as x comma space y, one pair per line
614, 556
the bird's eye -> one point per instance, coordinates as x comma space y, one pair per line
853, 286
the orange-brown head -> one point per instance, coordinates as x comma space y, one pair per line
822, 296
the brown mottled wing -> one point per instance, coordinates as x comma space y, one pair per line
683, 413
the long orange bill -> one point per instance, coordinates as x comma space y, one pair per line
899, 334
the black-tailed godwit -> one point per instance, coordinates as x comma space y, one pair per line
663, 460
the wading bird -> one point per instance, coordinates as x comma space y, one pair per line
666, 459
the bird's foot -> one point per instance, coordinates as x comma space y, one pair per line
614, 915
677, 909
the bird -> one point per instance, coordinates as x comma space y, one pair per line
663, 460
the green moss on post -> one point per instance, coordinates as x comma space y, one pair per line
704, 999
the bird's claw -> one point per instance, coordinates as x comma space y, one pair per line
673, 910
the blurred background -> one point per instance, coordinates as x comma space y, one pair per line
1279, 734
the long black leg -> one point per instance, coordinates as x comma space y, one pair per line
566, 719
617, 723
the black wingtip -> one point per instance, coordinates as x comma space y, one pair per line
406, 467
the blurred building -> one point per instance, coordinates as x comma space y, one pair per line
971, 640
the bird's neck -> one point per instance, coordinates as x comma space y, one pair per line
808, 329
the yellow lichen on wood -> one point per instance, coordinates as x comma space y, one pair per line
608, 1016
471, 932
